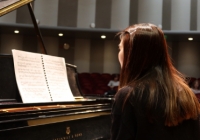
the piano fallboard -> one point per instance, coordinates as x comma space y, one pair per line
91, 128
64, 121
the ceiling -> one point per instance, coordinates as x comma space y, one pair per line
72, 32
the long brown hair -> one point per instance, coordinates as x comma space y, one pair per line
146, 61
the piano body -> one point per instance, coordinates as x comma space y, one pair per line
83, 119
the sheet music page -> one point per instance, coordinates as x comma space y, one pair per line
30, 77
55, 69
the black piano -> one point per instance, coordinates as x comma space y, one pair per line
87, 118
83, 119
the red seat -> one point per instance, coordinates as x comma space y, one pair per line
190, 80
99, 92
94, 83
198, 95
95, 75
106, 76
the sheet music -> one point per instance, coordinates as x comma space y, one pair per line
55, 70
40, 82
30, 77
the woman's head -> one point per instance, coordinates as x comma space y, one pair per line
146, 66
195, 84
116, 77
142, 48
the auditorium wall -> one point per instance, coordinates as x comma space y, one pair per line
101, 55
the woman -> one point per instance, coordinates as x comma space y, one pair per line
153, 101
195, 87
113, 85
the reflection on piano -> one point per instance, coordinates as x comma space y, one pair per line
83, 119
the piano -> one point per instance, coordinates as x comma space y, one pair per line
87, 118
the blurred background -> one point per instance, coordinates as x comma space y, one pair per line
83, 31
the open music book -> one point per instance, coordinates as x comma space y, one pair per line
41, 78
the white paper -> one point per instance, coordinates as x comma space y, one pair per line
55, 69
38, 82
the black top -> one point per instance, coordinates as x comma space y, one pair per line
132, 122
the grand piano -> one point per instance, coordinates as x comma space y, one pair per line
86, 118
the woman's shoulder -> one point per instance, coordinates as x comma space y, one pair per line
125, 89
133, 93
123, 92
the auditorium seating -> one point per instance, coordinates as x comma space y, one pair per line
94, 83
190, 81
198, 96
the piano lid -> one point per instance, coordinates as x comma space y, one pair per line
7, 6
